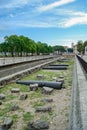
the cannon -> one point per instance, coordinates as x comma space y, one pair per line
59, 65
51, 84
56, 67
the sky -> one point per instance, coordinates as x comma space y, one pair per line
55, 22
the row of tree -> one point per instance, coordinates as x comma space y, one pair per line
14, 45
81, 46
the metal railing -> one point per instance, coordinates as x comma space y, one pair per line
83, 64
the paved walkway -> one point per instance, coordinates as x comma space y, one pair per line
85, 57
78, 120
11, 60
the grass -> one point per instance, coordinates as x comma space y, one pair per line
36, 94
48, 75
7, 88
15, 117
9, 97
44, 117
5, 110
28, 116
38, 103
51, 114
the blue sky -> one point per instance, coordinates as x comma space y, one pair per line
56, 22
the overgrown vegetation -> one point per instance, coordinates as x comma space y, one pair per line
27, 107
81, 46
14, 45
28, 116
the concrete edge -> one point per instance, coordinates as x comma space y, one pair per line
20, 74
78, 110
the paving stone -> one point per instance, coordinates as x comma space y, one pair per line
54, 78
0, 103
33, 87
3, 128
1, 86
43, 109
14, 107
61, 77
8, 122
15, 90
40, 76
47, 100
2, 96
47, 90
38, 125
23, 96
60, 80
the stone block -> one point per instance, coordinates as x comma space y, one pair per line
43, 109
47, 100
15, 90
14, 107
8, 122
54, 78
2, 96
23, 96
40, 76
60, 80
33, 87
0, 103
38, 125
47, 90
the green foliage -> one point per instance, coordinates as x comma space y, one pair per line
80, 46
5, 110
15, 117
36, 104
14, 45
36, 94
51, 114
70, 50
59, 49
28, 116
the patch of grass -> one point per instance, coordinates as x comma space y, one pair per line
5, 110
15, 117
8, 87
47, 75
38, 103
44, 117
36, 94
28, 116
9, 97
51, 114
25, 128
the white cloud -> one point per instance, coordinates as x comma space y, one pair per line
77, 18
55, 4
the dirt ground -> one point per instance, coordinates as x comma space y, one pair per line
58, 118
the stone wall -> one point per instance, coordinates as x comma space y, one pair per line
78, 112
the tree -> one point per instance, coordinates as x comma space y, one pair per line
80, 46
59, 49
85, 44
70, 50
50, 49
12, 41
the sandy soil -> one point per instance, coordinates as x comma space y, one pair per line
59, 117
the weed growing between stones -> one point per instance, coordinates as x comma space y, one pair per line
28, 116
57, 118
